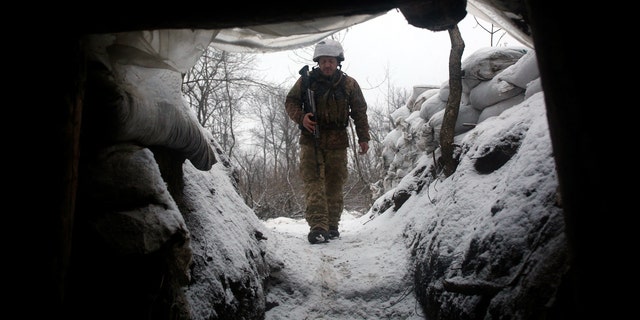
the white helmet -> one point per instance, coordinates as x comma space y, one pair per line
330, 48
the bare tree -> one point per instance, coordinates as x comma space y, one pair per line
249, 184
277, 192
273, 128
201, 87
226, 97
215, 87
492, 30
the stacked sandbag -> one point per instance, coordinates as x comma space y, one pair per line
400, 146
485, 63
494, 80
508, 88
420, 94
433, 104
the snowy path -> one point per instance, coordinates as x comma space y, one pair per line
362, 275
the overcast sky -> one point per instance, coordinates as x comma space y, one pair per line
412, 56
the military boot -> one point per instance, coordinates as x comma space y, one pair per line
333, 233
318, 235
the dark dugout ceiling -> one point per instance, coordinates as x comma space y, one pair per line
434, 15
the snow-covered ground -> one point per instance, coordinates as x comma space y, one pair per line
362, 275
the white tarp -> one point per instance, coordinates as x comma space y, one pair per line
284, 36
179, 49
486, 12
293, 35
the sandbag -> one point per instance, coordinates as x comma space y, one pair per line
521, 72
485, 63
490, 92
499, 107
533, 87
467, 118
431, 106
419, 95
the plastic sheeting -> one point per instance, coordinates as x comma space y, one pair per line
176, 50
481, 9
179, 49
284, 36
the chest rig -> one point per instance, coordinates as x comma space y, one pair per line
331, 97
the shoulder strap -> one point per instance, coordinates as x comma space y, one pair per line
304, 73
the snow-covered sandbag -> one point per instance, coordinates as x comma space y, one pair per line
431, 106
490, 92
521, 72
417, 96
414, 120
424, 138
443, 94
467, 118
387, 157
485, 63
390, 140
533, 87
424, 96
497, 108
398, 114
445, 86
389, 148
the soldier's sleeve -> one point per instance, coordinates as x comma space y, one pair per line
359, 111
293, 103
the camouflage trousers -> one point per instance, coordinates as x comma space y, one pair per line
323, 181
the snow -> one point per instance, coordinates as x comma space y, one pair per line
369, 271
425, 231
463, 228
363, 274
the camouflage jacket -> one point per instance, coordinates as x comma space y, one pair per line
337, 98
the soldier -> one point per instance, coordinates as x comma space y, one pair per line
323, 136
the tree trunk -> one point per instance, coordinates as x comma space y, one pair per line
447, 132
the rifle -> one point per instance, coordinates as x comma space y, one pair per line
309, 106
